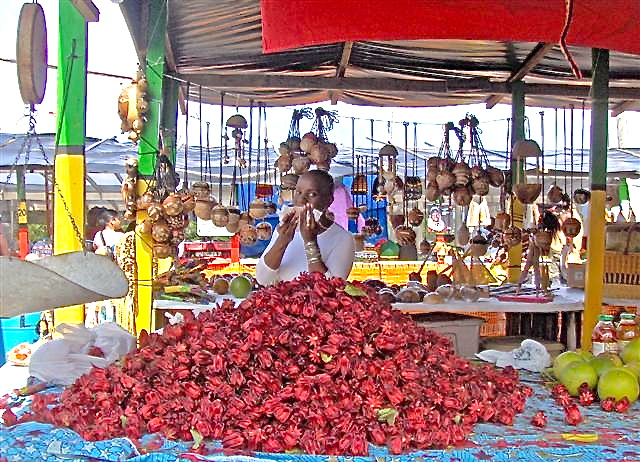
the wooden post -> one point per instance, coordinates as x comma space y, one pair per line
517, 175
594, 282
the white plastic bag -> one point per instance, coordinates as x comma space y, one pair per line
531, 355
63, 360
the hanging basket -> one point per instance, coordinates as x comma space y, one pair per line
359, 186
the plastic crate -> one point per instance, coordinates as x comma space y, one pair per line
461, 329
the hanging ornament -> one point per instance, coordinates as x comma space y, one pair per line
264, 230
133, 106
220, 215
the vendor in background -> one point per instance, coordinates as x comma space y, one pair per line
111, 232
307, 240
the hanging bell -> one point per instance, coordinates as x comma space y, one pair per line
264, 230
248, 235
581, 196
413, 187
571, 227
415, 217
220, 215
528, 193
237, 121
359, 186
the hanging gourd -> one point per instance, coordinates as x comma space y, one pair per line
133, 107
321, 152
522, 149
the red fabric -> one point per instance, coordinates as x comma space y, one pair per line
611, 24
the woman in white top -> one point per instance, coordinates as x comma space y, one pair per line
308, 240
111, 233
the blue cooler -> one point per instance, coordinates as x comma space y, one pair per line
19, 329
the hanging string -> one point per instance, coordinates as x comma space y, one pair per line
564, 114
353, 156
259, 143
266, 145
508, 149
223, 139
209, 170
555, 154
186, 141
572, 165
406, 166
250, 145
542, 148
200, 127
415, 149
582, 146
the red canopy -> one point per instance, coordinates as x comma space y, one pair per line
610, 24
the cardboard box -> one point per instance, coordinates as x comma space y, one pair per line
576, 274
462, 330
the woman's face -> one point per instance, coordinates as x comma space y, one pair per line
311, 191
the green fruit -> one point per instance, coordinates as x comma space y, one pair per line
576, 374
240, 286
390, 249
634, 367
605, 361
563, 360
618, 383
586, 355
631, 352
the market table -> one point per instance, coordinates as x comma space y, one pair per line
610, 436
568, 301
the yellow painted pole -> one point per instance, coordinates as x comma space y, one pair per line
143, 301
594, 282
69, 163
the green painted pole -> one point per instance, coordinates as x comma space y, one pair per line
517, 176
594, 282
154, 70
69, 170
157, 114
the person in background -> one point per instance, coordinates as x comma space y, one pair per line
111, 232
307, 240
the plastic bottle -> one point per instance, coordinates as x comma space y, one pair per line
627, 330
603, 337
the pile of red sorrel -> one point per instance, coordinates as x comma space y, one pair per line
313, 365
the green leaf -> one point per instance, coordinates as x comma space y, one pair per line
197, 438
388, 415
354, 291
326, 358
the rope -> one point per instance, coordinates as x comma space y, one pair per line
250, 142
186, 138
582, 145
223, 138
575, 69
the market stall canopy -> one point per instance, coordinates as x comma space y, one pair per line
218, 47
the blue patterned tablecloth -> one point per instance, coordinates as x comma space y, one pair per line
618, 440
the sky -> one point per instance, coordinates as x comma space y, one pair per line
111, 51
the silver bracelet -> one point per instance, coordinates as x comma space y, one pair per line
312, 260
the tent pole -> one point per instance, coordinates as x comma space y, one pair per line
23, 218
594, 282
69, 164
517, 175
154, 70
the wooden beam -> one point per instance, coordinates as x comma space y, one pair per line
87, 9
624, 106
171, 66
532, 60
344, 59
264, 82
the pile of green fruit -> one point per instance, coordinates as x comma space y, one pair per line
612, 376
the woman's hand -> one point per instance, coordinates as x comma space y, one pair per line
287, 228
309, 227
